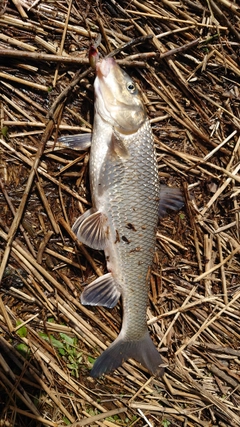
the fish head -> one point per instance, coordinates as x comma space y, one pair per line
117, 98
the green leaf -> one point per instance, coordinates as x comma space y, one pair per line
66, 421
165, 423
23, 349
43, 335
68, 340
21, 332
71, 365
4, 131
50, 338
114, 418
56, 343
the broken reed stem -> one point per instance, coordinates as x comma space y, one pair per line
27, 240
37, 418
42, 172
18, 217
208, 322
195, 125
219, 265
177, 315
63, 40
46, 205
92, 419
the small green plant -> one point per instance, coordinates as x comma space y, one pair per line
166, 423
131, 421
114, 419
4, 132
91, 360
21, 332
67, 348
66, 421
92, 411
23, 349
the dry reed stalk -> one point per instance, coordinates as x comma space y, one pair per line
185, 59
23, 82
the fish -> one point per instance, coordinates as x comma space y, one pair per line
127, 200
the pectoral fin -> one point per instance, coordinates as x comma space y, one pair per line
78, 142
91, 229
102, 291
118, 147
171, 198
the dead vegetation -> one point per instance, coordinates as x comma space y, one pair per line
185, 57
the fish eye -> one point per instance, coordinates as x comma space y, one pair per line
131, 87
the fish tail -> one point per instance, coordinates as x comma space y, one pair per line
121, 350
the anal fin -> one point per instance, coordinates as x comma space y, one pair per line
102, 291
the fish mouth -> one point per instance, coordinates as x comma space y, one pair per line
104, 67
103, 85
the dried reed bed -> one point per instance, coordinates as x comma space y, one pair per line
184, 56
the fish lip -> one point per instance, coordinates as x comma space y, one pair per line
104, 67
97, 87
100, 107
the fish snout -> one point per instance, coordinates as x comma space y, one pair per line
104, 67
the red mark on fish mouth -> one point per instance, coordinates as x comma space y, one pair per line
93, 56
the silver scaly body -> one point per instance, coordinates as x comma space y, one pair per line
125, 208
127, 192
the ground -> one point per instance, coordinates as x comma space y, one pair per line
185, 58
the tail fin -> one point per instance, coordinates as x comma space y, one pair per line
121, 350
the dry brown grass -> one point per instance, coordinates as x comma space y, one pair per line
187, 64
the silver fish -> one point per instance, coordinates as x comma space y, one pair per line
126, 203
